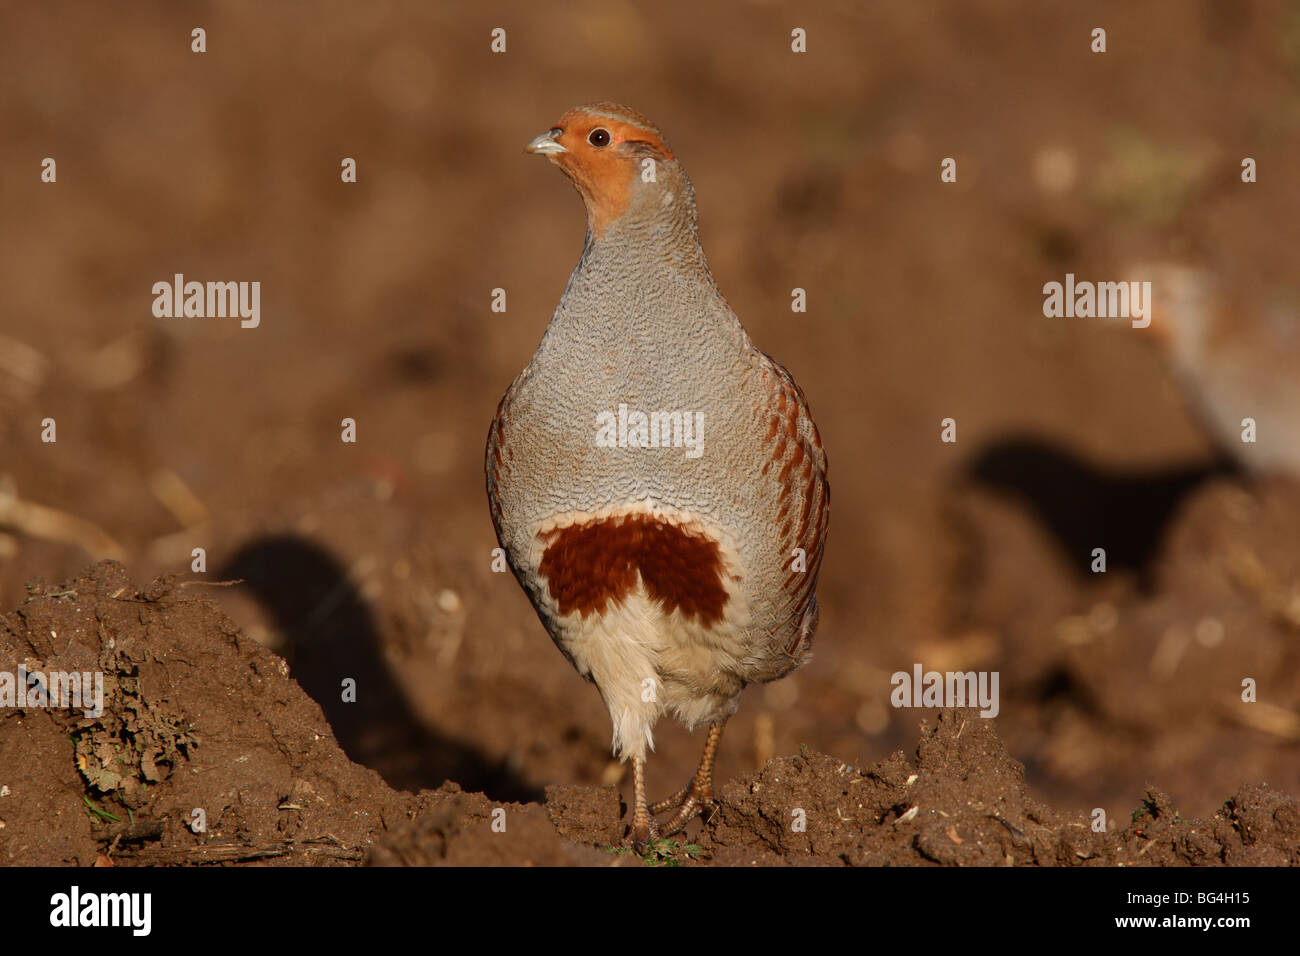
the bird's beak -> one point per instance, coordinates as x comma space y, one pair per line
546, 145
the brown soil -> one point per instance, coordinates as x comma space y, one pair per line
371, 561
200, 718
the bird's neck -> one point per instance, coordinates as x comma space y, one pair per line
648, 279
670, 240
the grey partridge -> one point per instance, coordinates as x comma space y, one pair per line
1235, 357
656, 482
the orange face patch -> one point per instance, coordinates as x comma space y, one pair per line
602, 172
590, 566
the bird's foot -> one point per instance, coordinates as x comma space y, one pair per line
691, 801
643, 833
671, 803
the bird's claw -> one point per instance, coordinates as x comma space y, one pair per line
643, 835
691, 808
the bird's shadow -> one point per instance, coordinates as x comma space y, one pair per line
1124, 511
330, 636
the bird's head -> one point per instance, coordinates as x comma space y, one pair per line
1182, 308
619, 162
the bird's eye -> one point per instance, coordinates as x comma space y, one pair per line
598, 137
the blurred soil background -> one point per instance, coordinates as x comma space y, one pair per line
819, 171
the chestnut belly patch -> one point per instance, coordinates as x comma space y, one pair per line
591, 565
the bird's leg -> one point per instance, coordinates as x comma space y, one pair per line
699, 793
644, 828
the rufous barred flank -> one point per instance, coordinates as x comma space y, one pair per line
671, 573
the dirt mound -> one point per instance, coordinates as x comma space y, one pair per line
963, 803
202, 730
207, 751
